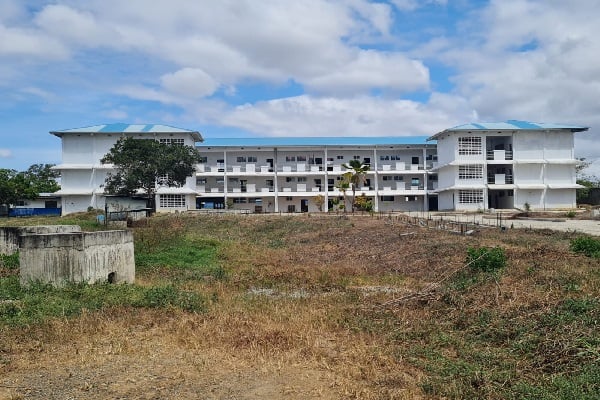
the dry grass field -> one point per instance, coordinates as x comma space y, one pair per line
309, 307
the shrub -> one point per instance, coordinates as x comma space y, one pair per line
570, 214
587, 246
486, 259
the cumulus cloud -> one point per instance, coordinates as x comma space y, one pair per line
361, 116
189, 83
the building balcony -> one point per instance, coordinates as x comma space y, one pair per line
499, 155
500, 179
400, 166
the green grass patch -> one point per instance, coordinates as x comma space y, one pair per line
9, 261
29, 305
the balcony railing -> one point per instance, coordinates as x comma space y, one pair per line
500, 179
500, 155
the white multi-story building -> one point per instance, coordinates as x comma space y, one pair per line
472, 167
512, 164
83, 175
289, 174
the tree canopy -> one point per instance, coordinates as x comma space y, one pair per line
139, 163
27, 185
356, 175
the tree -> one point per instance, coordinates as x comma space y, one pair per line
27, 185
140, 162
43, 178
356, 175
588, 181
343, 185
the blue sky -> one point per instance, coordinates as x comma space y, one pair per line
304, 68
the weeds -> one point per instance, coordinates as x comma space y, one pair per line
587, 246
39, 302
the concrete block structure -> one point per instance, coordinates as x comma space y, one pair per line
91, 257
10, 235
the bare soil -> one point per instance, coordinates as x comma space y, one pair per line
300, 339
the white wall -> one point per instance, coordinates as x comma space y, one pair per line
528, 173
560, 198
559, 145
528, 146
535, 198
560, 173
446, 200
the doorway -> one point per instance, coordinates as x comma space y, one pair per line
304, 205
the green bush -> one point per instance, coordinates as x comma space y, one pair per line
587, 246
486, 259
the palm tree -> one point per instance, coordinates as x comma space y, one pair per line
343, 185
356, 175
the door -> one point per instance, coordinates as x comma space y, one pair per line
243, 183
291, 208
270, 162
303, 205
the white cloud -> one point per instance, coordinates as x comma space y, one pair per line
5, 153
189, 83
361, 116
411, 5
373, 70
30, 43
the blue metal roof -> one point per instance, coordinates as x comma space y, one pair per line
313, 141
510, 125
129, 128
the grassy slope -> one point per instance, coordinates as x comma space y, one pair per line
308, 292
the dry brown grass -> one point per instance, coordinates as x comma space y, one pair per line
299, 316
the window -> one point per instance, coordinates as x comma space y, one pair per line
269, 182
203, 160
415, 182
171, 141
386, 198
356, 157
301, 158
252, 159
340, 157
415, 160
239, 200
301, 179
469, 145
290, 158
411, 198
200, 181
241, 159
162, 179
470, 196
172, 201
290, 179
387, 178
470, 171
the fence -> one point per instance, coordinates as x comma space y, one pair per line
29, 212
451, 223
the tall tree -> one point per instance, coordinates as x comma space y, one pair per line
43, 178
140, 162
27, 185
356, 175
